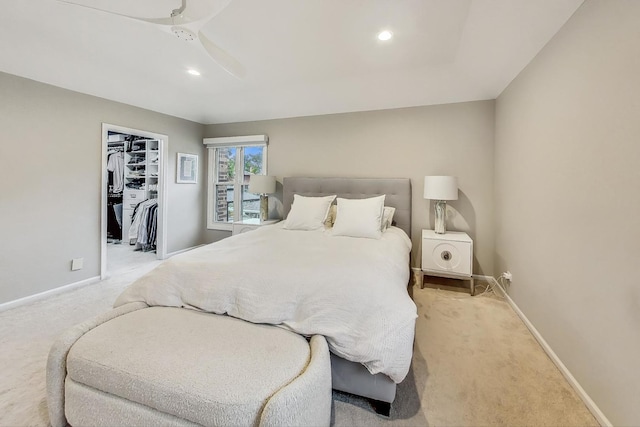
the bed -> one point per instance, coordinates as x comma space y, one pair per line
193, 342
351, 290
348, 376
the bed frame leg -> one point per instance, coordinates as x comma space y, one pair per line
381, 408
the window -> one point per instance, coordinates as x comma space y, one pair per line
232, 162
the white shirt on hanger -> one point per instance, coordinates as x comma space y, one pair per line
115, 164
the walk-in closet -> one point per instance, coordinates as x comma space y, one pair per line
132, 199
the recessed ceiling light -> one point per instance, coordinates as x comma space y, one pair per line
385, 35
193, 72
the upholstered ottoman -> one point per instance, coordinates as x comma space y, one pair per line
140, 365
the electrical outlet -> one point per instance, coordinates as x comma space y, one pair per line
507, 275
77, 264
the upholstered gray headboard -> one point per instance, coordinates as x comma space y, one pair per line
397, 191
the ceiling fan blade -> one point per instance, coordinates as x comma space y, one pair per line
175, 20
222, 58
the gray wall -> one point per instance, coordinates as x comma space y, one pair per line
50, 166
567, 192
454, 139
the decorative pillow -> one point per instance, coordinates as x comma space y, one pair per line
331, 216
387, 217
308, 213
359, 217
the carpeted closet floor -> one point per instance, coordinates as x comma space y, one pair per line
474, 363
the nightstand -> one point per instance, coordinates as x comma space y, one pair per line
250, 224
448, 255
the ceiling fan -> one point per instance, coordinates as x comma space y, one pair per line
186, 24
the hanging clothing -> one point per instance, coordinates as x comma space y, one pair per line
143, 230
117, 209
115, 164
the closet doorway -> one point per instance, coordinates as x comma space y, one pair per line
133, 214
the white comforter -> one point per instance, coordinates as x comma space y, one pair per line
351, 290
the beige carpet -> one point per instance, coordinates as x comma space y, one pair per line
474, 364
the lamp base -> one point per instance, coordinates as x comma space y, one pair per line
441, 217
264, 207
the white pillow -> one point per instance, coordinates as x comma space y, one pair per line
359, 217
387, 217
308, 213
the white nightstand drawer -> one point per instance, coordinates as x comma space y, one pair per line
450, 257
240, 227
450, 253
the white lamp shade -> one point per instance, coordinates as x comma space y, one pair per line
262, 184
441, 187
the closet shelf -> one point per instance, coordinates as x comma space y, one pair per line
139, 174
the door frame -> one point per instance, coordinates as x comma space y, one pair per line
163, 144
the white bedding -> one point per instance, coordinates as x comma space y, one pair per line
351, 290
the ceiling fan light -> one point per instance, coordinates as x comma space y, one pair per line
184, 33
385, 35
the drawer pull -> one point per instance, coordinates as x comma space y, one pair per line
445, 255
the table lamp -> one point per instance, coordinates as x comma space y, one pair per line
263, 185
441, 189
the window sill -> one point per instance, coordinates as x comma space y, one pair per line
220, 226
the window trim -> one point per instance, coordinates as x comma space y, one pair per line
238, 142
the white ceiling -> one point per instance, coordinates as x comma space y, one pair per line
302, 57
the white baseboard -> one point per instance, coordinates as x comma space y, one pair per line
489, 279
66, 288
46, 294
183, 250
597, 413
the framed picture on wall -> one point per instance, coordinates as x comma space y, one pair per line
187, 170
